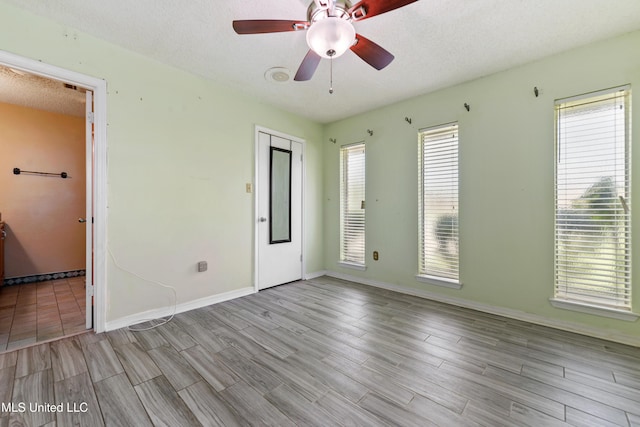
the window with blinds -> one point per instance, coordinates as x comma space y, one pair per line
438, 203
352, 205
592, 217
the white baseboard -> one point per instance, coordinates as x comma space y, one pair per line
315, 275
500, 311
157, 313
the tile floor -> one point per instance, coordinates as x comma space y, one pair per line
37, 312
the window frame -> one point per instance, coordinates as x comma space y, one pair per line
426, 274
346, 258
577, 296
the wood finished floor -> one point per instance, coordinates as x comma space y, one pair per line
36, 312
327, 352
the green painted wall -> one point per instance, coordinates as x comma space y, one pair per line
506, 180
180, 151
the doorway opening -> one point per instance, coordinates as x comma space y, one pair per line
54, 206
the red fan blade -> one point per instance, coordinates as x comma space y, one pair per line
259, 26
371, 53
369, 8
308, 66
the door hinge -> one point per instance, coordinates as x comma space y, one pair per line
300, 257
89, 290
300, 157
90, 117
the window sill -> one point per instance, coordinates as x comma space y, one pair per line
594, 309
352, 265
439, 281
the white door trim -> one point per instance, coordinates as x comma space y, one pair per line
99, 89
256, 207
88, 216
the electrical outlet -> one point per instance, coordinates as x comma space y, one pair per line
202, 266
375, 255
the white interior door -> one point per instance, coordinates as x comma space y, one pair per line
89, 210
279, 222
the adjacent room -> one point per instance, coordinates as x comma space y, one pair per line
319, 212
43, 128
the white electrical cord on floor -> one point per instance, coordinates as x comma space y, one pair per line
161, 320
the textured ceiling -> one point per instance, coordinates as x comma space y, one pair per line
436, 43
28, 90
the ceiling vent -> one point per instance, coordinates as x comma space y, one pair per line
277, 75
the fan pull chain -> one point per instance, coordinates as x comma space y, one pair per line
331, 53
331, 75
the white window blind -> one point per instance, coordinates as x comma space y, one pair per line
592, 217
438, 202
352, 204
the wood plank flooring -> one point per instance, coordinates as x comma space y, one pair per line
327, 352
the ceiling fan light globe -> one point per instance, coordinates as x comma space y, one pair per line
331, 37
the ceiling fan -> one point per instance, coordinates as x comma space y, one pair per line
330, 31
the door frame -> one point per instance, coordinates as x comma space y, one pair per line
99, 89
256, 193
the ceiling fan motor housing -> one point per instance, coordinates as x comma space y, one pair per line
339, 8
